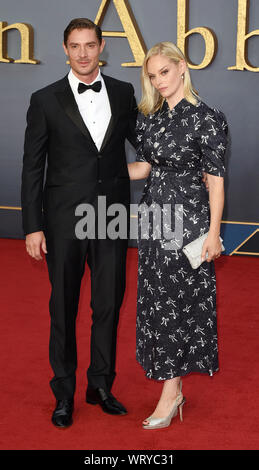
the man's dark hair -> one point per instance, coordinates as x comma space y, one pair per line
82, 23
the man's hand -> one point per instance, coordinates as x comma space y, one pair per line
34, 242
205, 180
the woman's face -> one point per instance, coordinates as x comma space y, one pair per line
166, 76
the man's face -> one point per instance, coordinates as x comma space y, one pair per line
83, 50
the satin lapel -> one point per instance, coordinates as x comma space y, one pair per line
68, 103
113, 98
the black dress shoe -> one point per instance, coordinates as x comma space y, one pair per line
107, 401
62, 415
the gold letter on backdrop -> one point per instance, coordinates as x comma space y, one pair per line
242, 37
131, 30
26, 32
183, 33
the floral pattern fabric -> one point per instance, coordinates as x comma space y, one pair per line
176, 304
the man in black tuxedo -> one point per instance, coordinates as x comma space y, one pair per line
79, 125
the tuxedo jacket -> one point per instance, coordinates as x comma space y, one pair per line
62, 167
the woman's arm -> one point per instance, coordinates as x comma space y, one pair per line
139, 170
212, 243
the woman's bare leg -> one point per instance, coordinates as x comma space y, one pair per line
171, 389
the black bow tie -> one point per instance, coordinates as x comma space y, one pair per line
95, 87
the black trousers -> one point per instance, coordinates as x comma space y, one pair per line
66, 263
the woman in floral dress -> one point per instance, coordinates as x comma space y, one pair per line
179, 139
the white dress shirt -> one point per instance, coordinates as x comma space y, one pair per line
94, 108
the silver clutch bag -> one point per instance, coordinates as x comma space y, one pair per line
194, 249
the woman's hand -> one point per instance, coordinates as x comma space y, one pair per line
212, 246
205, 180
138, 170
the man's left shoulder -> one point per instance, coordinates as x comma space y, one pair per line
119, 84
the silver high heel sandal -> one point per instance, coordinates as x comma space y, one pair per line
158, 423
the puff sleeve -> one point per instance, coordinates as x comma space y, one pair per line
213, 142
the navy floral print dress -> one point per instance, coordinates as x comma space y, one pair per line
176, 304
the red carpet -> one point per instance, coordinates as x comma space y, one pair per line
220, 413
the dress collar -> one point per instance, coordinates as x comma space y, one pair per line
179, 105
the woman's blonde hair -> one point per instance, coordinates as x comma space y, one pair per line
151, 99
